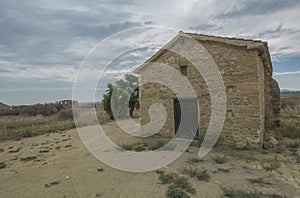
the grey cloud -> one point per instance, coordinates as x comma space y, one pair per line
36, 32
43, 36
257, 7
205, 27
148, 23
7, 84
276, 32
4, 71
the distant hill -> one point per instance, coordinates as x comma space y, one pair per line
4, 106
286, 93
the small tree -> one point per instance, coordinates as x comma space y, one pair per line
118, 94
134, 102
107, 100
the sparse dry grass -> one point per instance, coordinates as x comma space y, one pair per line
179, 185
238, 193
12, 127
290, 124
20, 126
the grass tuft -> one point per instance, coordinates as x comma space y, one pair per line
238, 193
174, 192
193, 161
26, 131
182, 182
127, 147
203, 175
139, 148
167, 178
271, 164
190, 170
220, 159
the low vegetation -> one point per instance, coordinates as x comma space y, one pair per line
238, 193
180, 187
271, 164
167, 178
290, 123
288, 131
190, 170
174, 192
127, 147
193, 161
26, 131
182, 183
27, 121
154, 145
220, 159
290, 95
201, 175
149, 145
65, 114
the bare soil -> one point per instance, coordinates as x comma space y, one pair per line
58, 165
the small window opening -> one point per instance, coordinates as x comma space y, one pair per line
183, 70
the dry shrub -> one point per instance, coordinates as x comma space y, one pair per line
38, 109
290, 124
66, 114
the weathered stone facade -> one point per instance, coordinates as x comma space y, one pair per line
252, 95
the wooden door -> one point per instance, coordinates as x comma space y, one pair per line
186, 117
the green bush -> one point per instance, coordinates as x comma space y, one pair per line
203, 175
190, 170
174, 192
182, 182
179, 187
127, 147
26, 131
167, 178
139, 148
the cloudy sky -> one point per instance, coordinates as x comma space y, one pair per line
43, 43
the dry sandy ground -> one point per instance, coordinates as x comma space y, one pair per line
61, 159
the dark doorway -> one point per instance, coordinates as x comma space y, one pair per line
186, 117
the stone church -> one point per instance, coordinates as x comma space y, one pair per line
252, 95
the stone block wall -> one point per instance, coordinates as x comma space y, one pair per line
249, 87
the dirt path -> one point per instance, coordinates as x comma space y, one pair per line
58, 165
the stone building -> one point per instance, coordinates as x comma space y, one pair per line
252, 95
68, 103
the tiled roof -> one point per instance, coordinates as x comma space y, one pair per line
259, 45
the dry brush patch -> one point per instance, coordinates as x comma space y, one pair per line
290, 124
179, 185
39, 119
15, 127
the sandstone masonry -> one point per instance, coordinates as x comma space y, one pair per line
253, 99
